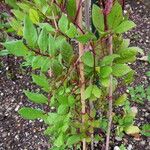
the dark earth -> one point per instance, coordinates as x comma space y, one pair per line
19, 134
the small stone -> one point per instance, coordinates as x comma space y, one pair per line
118, 139
129, 147
134, 110
4, 134
2, 94
17, 108
17, 137
146, 114
142, 142
116, 148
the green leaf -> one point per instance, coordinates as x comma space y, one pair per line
149, 57
88, 59
131, 130
29, 32
107, 60
52, 46
71, 33
84, 38
105, 82
125, 43
71, 101
63, 99
147, 73
120, 70
129, 77
98, 18
17, 48
128, 54
63, 109
88, 92
121, 100
37, 61
15, 24
115, 17
11, 3
122, 147
146, 130
43, 40
73, 139
96, 91
36, 97
59, 141
66, 51
136, 49
4, 52
71, 8
47, 26
54, 118
63, 23
56, 67
46, 64
41, 81
124, 26
105, 71
31, 114
18, 14
23, 6
34, 16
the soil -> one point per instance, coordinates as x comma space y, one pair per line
19, 134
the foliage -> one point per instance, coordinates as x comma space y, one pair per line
139, 94
146, 130
46, 33
125, 122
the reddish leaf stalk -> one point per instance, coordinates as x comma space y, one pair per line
123, 4
103, 4
78, 10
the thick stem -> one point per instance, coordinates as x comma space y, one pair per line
92, 134
88, 22
87, 14
81, 70
106, 11
110, 98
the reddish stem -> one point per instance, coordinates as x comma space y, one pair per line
78, 10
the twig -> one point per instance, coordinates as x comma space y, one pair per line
81, 70
106, 11
123, 5
110, 99
78, 10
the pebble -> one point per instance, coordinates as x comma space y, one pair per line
116, 148
2, 94
129, 147
118, 139
4, 134
142, 142
17, 108
146, 114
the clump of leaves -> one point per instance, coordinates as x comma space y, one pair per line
139, 94
76, 85
125, 120
146, 130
